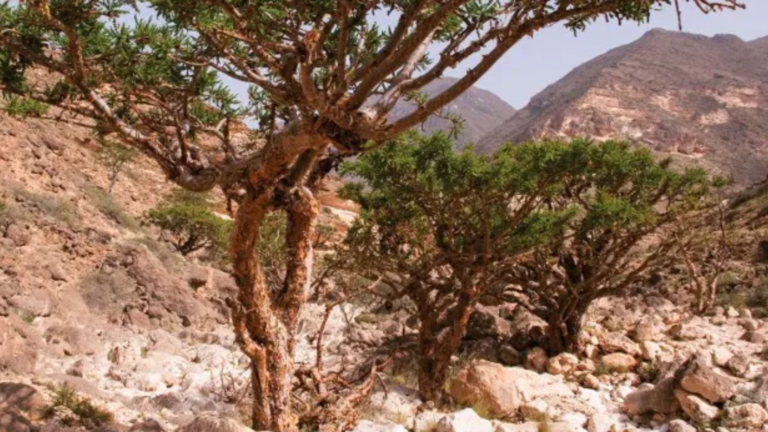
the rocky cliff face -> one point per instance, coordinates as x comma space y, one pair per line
698, 99
481, 110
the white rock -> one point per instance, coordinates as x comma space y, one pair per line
465, 420
369, 426
534, 410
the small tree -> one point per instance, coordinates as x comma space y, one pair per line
441, 228
188, 218
115, 157
631, 210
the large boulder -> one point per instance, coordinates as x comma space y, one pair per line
500, 390
702, 378
212, 422
465, 420
659, 399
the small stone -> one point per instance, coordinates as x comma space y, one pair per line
680, 426
650, 350
465, 420
749, 415
536, 359
731, 312
739, 365
509, 356
592, 351
749, 324
57, 273
19, 235
591, 382
696, 408
619, 362
721, 356
562, 364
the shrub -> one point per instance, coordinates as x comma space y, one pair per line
25, 107
104, 202
188, 218
71, 409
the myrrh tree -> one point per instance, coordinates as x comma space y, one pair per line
441, 229
632, 211
324, 77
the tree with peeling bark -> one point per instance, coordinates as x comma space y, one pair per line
631, 213
441, 229
324, 77
549, 226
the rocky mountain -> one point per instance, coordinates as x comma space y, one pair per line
481, 110
695, 98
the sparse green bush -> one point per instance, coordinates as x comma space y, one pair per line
71, 409
104, 202
115, 157
25, 107
169, 259
189, 220
51, 205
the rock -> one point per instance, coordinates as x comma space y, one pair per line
509, 356
501, 390
139, 319
527, 329
744, 312
720, 355
20, 397
591, 351
224, 283
426, 421
519, 427
465, 420
680, 426
536, 359
12, 421
694, 329
20, 347
562, 364
54, 144
147, 426
591, 382
600, 423
486, 322
534, 410
650, 350
696, 408
619, 362
701, 378
212, 422
397, 403
739, 365
648, 329
618, 342
746, 416
731, 312
75, 339
575, 419
197, 276
749, 324
659, 399
369, 426
18, 235
755, 337
57, 273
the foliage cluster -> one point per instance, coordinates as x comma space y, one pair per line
189, 219
51, 205
71, 409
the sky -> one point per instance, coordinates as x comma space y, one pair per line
537, 62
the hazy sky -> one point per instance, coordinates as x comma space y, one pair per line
537, 62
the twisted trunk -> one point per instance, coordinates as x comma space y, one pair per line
264, 321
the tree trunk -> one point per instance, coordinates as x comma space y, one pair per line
563, 331
264, 326
437, 349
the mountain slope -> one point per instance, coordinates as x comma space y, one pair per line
698, 99
481, 110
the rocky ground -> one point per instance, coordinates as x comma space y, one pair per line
90, 298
